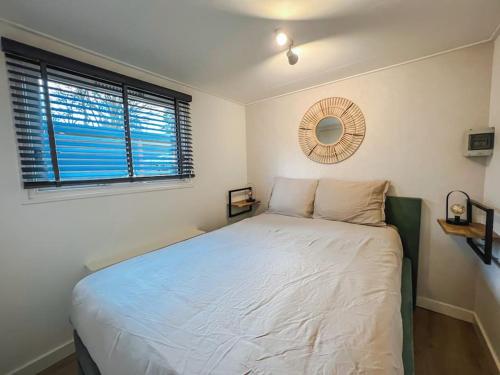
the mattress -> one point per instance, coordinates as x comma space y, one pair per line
268, 295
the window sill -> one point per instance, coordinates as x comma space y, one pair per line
36, 196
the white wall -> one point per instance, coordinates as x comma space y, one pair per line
416, 115
487, 305
43, 247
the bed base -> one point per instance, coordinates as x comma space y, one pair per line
86, 365
407, 317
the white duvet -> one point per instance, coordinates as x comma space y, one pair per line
268, 295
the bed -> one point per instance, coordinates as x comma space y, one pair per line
271, 294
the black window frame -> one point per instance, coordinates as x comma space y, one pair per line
46, 59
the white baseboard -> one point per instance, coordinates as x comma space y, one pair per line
45, 360
484, 334
446, 309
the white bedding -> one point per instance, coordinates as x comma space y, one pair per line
269, 295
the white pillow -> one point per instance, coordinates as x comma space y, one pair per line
293, 196
353, 202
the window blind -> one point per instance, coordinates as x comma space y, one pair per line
153, 130
80, 124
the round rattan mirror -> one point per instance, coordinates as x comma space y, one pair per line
331, 130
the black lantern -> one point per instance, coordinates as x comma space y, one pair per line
458, 210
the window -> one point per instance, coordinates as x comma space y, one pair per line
80, 124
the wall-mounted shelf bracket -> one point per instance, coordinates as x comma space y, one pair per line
245, 203
479, 236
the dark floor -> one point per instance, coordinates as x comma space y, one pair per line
67, 366
443, 346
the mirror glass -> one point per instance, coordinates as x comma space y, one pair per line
329, 130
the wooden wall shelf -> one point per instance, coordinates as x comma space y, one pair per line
473, 230
243, 203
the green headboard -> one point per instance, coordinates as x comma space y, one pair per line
404, 213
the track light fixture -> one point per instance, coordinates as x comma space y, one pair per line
283, 39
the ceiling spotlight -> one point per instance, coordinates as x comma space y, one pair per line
281, 38
292, 56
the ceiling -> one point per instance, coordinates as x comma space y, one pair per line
226, 47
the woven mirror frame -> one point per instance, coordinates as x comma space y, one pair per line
353, 133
